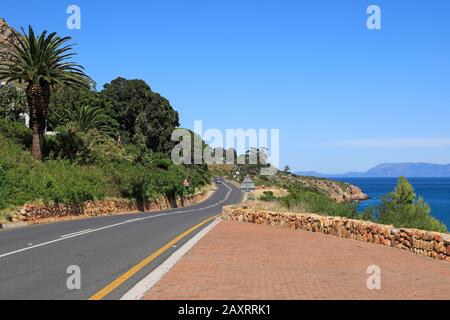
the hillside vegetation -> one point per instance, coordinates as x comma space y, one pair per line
336, 191
96, 153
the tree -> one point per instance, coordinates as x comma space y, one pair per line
41, 63
403, 194
401, 209
142, 114
287, 169
66, 98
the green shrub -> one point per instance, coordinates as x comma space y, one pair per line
268, 196
16, 131
68, 183
315, 202
23, 179
85, 148
108, 174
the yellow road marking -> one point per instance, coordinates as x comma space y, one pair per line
127, 275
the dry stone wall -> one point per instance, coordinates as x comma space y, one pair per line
43, 213
431, 244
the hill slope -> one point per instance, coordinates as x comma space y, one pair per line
6, 38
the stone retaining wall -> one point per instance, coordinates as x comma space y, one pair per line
431, 244
43, 213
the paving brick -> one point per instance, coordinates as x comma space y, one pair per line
237, 261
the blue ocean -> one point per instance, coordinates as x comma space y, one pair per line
435, 191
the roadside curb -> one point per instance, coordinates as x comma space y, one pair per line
140, 289
7, 226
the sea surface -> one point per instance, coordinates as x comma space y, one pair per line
435, 191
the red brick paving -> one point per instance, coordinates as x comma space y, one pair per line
237, 261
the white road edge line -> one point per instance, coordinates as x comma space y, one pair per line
140, 289
116, 225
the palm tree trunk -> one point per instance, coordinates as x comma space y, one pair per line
37, 96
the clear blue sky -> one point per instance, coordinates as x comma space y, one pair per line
344, 97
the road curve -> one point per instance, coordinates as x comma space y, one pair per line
34, 260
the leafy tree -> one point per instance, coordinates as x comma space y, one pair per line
401, 209
143, 115
41, 62
403, 195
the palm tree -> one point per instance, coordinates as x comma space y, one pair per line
41, 63
85, 117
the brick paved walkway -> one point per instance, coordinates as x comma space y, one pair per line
245, 261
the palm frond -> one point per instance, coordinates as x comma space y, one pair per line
86, 117
43, 58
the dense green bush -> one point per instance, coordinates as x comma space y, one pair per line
153, 181
91, 147
68, 183
16, 131
13, 102
23, 179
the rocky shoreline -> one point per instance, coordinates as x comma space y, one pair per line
338, 191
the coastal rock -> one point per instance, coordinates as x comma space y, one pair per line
337, 191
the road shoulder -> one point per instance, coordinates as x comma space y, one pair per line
146, 284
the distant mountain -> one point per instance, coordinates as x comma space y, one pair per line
392, 170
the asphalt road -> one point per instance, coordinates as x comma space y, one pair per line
34, 260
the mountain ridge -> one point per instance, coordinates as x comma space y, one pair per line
392, 170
